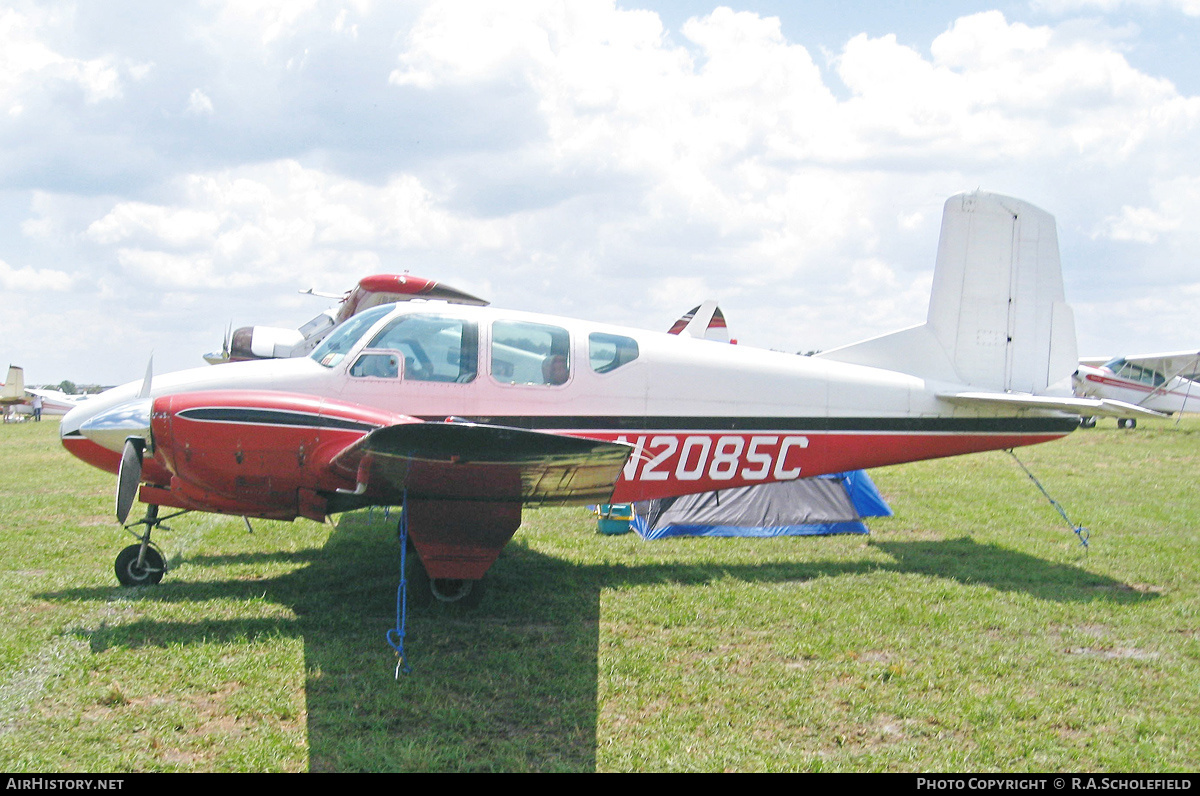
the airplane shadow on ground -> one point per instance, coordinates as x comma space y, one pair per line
512, 685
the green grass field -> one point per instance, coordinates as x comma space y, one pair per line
969, 632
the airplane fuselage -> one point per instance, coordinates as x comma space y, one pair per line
1139, 386
698, 415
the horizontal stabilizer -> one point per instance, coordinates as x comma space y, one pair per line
1084, 407
469, 461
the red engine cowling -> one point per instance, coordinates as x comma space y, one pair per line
257, 453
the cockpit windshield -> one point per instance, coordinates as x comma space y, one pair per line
1128, 370
339, 342
1115, 364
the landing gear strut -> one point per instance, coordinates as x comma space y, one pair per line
142, 564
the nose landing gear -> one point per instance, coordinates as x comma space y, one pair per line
143, 564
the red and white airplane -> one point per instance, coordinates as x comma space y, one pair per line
269, 342
466, 413
1165, 383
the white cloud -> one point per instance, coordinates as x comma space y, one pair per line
581, 158
199, 104
278, 222
27, 64
1140, 224
1189, 7
30, 279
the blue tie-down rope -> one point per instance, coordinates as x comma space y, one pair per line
1083, 533
395, 636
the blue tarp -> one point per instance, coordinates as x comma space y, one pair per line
828, 504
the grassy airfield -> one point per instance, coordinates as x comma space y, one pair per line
969, 632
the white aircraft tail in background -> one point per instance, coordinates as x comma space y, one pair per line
13, 394
705, 322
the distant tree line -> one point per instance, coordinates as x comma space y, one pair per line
71, 388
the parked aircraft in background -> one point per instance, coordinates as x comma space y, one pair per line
269, 342
16, 398
1165, 383
57, 402
466, 413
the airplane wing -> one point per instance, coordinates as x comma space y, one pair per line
1084, 407
477, 462
1095, 362
1177, 363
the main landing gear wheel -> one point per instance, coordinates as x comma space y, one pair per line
463, 593
1126, 422
1087, 422
147, 573
424, 590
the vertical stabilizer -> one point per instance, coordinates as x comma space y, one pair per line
997, 315
14, 385
998, 294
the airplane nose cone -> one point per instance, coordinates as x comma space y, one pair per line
111, 427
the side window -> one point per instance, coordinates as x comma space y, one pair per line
608, 352
376, 366
435, 348
333, 349
530, 353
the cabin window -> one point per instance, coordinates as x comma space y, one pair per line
608, 352
1137, 373
530, 353
435, 348
375, 365
333, 349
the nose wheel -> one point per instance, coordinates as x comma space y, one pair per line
142, 564
137, 568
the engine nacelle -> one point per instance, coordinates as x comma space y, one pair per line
263, 342
229, 448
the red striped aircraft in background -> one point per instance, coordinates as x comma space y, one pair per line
1165, 383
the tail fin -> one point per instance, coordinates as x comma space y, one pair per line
14, 385
997, 316
705, 322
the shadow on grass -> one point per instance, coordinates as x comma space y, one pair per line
512, 686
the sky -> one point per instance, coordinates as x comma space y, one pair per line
169, 169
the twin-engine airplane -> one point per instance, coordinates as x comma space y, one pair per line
464, 414
1164, 383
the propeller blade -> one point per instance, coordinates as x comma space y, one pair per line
129, 476
145, 391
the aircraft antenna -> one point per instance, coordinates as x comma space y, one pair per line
1080, 531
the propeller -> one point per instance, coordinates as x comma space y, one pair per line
145, 391
125, 427
129, 476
